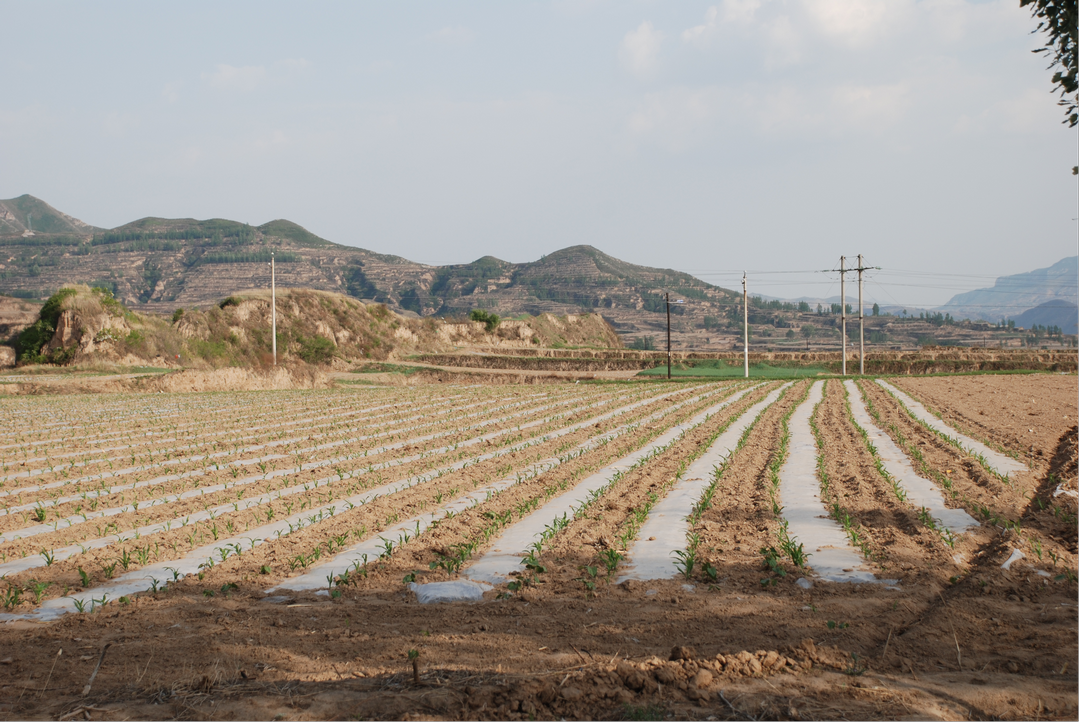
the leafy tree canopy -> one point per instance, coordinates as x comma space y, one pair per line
1058, 20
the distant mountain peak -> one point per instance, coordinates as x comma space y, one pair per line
27, 213
1014, 294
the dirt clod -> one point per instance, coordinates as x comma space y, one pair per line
682, 652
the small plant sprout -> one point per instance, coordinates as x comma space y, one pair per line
685, 562
84, 577
414, 658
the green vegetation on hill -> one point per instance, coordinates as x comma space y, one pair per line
293, 232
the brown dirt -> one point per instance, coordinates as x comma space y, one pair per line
991, 644
901, 546
1023, 413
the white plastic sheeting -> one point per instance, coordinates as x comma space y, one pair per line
651, 556
920, 492
830, 554
1000, 463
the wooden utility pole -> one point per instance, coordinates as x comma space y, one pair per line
843, 323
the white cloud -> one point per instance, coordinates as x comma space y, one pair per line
457, 35
701, 33
231, 78
640, 50
738, 12
858, 23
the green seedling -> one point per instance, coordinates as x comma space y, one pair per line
39, 589
833, 625
686, 562
84, 577
771, 562
611, 560
414, 658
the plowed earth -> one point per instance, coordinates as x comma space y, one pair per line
956, 637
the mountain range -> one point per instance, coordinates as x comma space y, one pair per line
157, 264
1012, 296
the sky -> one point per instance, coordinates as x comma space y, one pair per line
710, 137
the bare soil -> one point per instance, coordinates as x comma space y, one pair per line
957, 640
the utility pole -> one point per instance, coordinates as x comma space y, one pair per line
745, 331
667, 303
843, 323
862, 339
273, 308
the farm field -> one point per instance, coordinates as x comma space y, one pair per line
771, 548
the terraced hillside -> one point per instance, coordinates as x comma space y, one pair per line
89, 326
157, 265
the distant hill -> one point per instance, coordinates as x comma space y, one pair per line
1011, 295
1059, 313
159, 264
28, 215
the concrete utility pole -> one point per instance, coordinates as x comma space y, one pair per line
745, 331
273, 308
862, 339
843, 323
667, 304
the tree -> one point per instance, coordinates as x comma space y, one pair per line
1058, 19
490, 321
808, 330
876, 310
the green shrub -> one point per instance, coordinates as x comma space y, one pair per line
176, 315
208, 349
229, 301
316, 349
491, 321
40, 333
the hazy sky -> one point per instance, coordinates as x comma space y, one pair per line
707, 137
